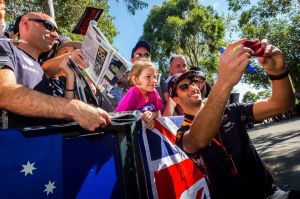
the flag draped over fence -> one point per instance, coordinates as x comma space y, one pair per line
30, 167
172, 174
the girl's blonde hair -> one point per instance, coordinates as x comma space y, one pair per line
137, 68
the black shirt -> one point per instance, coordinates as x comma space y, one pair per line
252, 179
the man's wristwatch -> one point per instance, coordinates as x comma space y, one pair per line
281, 76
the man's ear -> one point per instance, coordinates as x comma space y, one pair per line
24, 22
131, 59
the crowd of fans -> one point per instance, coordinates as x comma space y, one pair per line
37, 88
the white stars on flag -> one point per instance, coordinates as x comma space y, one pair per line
28, 168
49, 187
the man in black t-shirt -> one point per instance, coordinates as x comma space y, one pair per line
24, 90
214, 135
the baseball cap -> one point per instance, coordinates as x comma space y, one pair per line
141, 43
67, 41
178, 78
199, 73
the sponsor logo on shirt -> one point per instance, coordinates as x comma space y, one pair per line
25, 67
30, 63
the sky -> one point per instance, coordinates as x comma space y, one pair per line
130, 28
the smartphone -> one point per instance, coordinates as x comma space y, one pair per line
255, 46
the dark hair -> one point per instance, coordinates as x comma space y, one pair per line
141, 43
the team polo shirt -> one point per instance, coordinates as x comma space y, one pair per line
248, 178
28, 73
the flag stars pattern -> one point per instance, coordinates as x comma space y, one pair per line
49, 187
28, 168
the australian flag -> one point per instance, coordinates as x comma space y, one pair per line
171, 173
30, 167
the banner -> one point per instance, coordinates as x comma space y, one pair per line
89, 14
172, 174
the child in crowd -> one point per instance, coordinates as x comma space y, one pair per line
62, 78
142, 95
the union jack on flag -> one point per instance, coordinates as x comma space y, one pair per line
171, 174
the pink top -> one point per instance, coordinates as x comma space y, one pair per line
134, 100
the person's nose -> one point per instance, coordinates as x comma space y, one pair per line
54, 35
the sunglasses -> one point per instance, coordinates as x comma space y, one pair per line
184, 87
196, 81
140, 55
47, 24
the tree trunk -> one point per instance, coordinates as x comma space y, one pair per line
49, 8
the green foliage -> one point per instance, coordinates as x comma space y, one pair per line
184, 27
264, 94
67, 13
249, 97
236, 5
133, 5
279, 22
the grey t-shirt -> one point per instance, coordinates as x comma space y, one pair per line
28, 73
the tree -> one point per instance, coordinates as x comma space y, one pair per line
263, 94
133, 5
68, 12
249, 97
277, 20
184, 27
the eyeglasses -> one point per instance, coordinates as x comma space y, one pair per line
185, 87
47, 24
196, 81
140, 55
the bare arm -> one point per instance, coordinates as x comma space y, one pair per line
282, 98
52, 66
27, 102
207, 122
70, 79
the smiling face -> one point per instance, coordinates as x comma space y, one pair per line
188, 95
177, 65
147, 80
140, 53
200, 82
39, 30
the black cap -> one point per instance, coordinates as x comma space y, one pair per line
178, 78
141, 43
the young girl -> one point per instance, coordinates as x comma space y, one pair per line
142, 95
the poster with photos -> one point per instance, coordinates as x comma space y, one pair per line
106, 65
116, 70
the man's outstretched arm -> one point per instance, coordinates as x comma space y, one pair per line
206, 124
282, 98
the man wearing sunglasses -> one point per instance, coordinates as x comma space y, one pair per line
24, 89
214, 135
141, 50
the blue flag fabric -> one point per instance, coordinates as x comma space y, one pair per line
30, 167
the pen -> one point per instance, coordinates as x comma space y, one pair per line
249, 67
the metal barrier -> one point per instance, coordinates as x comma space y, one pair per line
103, 164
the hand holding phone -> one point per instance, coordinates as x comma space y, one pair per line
256, 46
